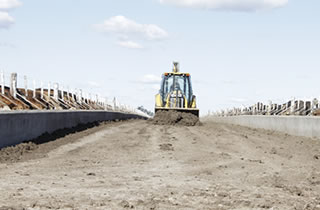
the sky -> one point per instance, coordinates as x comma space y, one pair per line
238, 52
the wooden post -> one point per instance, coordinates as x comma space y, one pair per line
13, 85
34, 89
26, 86
2, 82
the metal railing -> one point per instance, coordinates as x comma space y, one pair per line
18, 93
292, 107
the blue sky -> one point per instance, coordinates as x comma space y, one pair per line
238, 52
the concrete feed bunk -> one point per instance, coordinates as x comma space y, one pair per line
16, 127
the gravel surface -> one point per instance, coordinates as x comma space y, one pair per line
139, 165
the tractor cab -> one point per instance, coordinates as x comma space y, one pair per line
176, 90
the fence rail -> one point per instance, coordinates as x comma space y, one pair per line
292, 107
18, 93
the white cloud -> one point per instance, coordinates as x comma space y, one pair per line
126, 27
234, 5
9, 4
5, 20
130, 44
127, 30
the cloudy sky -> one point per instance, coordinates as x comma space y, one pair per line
237, 51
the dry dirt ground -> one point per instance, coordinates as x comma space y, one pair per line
139, 165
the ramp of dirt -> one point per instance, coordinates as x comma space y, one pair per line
139, 165
175, 118
39, 147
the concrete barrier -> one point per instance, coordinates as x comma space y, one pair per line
19, 126
306, 126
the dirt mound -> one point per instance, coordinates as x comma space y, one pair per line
39, 147
175, 118
15, 153
147, 166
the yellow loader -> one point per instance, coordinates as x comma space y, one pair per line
176, 93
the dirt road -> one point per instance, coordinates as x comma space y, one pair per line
139, 165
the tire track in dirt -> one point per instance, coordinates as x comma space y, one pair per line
140, 165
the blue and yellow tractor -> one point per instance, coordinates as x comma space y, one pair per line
176, 93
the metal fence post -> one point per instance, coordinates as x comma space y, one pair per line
73, 94
80, 96
56, 91
292, 108
26, 86
68, 93
269, 107
41, 90
2, 82
62, 92
76, 95
13, 85
114, 103
49, 90
34, 89
105, 104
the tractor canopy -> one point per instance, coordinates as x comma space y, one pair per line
176, 85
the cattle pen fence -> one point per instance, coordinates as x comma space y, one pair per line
19, 93
294, 107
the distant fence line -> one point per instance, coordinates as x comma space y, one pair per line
16, 95
292, 107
